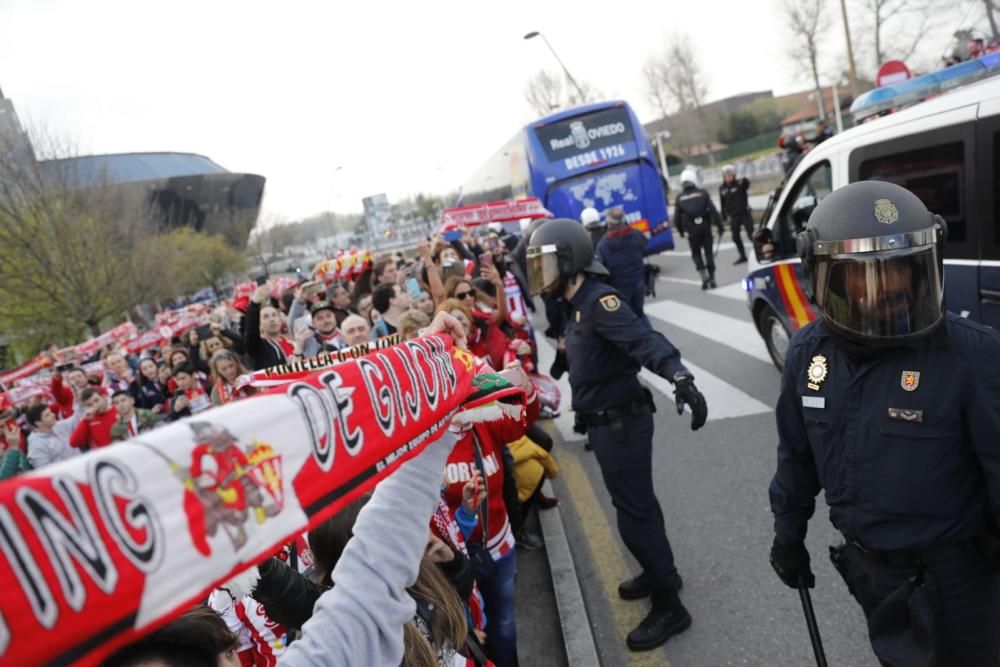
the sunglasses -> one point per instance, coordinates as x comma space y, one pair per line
461, 296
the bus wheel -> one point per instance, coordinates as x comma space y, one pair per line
776, 336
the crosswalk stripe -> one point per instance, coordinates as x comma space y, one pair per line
734, 291
682, 281
725, 245
724, 400
740, 335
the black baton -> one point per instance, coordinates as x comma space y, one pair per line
807, 609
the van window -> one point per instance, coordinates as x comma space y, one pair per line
936, 174
811, 188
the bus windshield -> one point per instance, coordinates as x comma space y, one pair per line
588, 140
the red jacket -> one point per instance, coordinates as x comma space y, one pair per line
94, 432
493, 436
64, 397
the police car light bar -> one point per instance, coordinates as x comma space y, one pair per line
895, 96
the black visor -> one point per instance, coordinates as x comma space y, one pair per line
881, 296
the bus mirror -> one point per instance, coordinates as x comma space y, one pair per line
763, 245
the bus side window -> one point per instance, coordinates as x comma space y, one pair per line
803, 197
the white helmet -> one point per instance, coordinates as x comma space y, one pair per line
590, 217
689, 175
729, 169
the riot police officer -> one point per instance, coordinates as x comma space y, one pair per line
892, 407
694, 215
735, 206
590, 218
606, 345
621, 251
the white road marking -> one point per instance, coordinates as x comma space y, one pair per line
725, 245
682, 281
724, 400
732, 291
740, 335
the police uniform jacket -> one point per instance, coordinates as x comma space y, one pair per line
622, 251
905, 445
733, 197
694, 210
606, 345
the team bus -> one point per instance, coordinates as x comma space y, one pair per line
595, 155
946, 150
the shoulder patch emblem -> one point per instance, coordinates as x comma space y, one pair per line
610, 302
886, 212
910, 380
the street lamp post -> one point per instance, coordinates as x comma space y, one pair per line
579, 91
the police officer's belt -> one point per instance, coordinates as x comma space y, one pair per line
913, 559
614, 414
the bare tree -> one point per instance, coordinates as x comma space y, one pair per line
895, 29
675, 83
547, 92
991, 9
807, 22
544, 92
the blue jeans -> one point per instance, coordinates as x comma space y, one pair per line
501, 629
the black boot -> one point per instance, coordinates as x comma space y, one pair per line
667, 618
711, 281
635, 588
704, 278
641, 586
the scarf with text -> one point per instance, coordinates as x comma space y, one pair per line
103, 548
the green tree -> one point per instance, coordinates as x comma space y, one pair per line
195, 261
71, 258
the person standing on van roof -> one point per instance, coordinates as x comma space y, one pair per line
621, 251
735, 207
892, 407
695, 214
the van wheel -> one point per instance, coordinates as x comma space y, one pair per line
775, 334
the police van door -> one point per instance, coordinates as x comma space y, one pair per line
937, 166
988, 205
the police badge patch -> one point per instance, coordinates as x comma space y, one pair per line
886, 212
610, 303
816, 372
910, 380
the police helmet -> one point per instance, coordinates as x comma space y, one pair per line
872, 256
729, 169
689, 175
560, 249
590, 218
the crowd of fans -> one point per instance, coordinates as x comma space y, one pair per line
462, 587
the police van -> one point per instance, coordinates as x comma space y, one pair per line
944, 147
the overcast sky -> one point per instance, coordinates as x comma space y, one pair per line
404, 96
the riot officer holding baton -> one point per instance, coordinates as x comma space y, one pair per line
606, 345
891, 406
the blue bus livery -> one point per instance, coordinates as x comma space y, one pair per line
589, 156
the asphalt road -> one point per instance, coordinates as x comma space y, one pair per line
712, 485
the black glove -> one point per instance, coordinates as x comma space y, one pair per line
578, 425
559, 365
791, 561
685, 393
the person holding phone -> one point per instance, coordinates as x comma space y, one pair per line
491, 542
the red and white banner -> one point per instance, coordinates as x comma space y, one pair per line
509, 210
100, 549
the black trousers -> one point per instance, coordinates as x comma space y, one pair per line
943, 614
626, 460
738, 223
700, 239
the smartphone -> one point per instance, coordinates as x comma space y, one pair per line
486, 259
62, 368
315, 288
413, 287
260, 280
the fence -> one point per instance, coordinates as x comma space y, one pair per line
727, 154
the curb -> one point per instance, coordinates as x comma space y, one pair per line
578, 636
